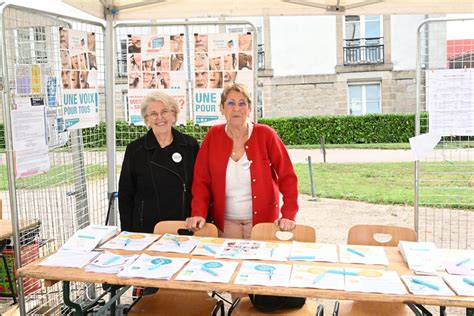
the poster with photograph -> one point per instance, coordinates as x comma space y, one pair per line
155, 62
219, 59
79, 85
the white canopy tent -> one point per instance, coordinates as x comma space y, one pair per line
174, 9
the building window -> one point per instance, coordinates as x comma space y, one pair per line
363, 41
122, 59
364, 99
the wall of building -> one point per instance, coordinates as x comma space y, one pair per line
303, 45
327, 94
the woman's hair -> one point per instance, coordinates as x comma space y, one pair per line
158, 96
237, 87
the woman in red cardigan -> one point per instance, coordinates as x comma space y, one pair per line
241, 169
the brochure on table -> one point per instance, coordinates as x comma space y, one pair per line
421, 257
69, 259
208, 271
426, 285
130, 241
463, 285
207, 246
109, 262
316, 277
306, 251
241, 249
174, 243
87, 239
362, 254
373, 281
153, 267
256, 273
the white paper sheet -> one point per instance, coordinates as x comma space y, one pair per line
130, 241
362, 254
306, 251
426, 285
109, 262
373, 281
153, 267
316, 277
69, 260
422, 145
255, 273
208, 271
207, 246
174, 243
463, 285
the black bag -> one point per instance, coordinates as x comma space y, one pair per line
270, 303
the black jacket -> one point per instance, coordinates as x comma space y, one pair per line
153, 179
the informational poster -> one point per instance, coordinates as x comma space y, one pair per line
30, 147
155, 62
219, 59
80, 96
450, 101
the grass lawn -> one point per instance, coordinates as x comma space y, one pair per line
441, 184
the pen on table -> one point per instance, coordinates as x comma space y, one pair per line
127, 241
355, 252
319, 277
468, 281
341, 272
176, 241
272, 251
210, 271
466, 260
424, 283
111, 260
301, 258
270, 273
208, 249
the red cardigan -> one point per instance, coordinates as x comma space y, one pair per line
271, 172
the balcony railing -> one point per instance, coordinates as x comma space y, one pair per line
363, 51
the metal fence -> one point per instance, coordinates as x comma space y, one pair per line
73, 192
444, 190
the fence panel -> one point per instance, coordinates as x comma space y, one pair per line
444, 189
73, 191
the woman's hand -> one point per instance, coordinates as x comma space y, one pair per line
285, 224
195, 223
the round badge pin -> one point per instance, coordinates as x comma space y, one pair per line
177, 157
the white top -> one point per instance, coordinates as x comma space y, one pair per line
238, 188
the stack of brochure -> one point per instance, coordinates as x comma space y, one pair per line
421, 257
426, 285
87, 239
130, 241
77, 251
110, 263
463, 285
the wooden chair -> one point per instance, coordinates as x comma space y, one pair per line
268, 232
178, 302
375, 235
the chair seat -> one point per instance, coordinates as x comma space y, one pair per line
175, 302
373, 309
246, 307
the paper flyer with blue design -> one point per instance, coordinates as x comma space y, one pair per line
153, 267
208, 271
258, 273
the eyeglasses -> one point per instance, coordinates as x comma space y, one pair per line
233, 103
162, 113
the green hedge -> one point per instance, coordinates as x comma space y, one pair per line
337, 129
345, 129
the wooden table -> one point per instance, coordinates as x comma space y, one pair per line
6, 227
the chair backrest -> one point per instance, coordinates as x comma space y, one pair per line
172, 227
379, 235
268, 231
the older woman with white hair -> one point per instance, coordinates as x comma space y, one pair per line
157, 170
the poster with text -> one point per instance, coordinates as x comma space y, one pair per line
219, 59
79, 84
450, 101
155, 63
